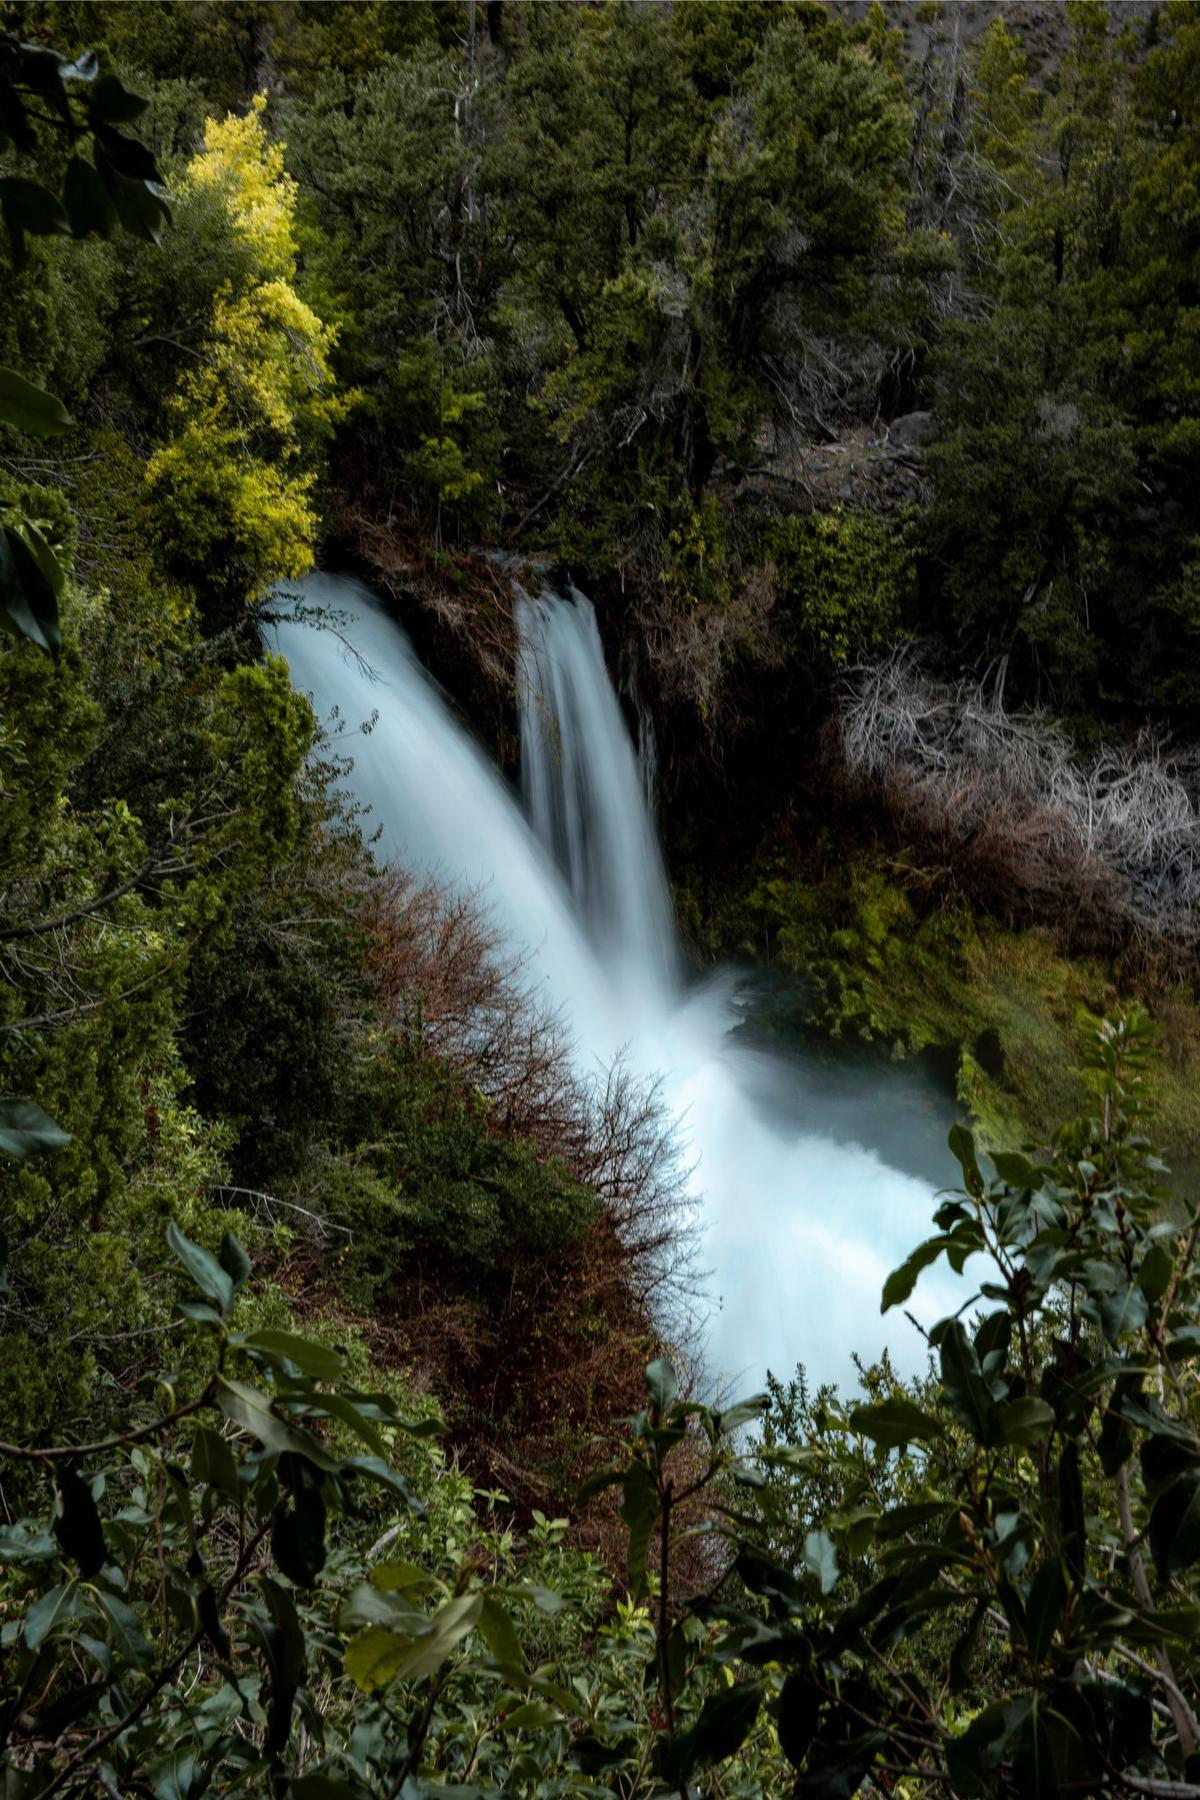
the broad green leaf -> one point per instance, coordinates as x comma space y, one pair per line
174, 1776
31, 409
1043, 1609
403, 1578
901, 1282
252, 1410
380, 1654
639, 1512
532, 1715
1072, 1521
661, 1384
893, 1422
448, 1627
967, 1393
595, 1484
88, 202
726, 1720
312, 1359
213, 1462
1124, 1311
53, 571
127, 1636
298, 1536
1026, 1421
234, 1260
203, 1268
77, 1523
962, 1148
742, 1412
1015, 1171
25, 1128
28, 602
48, 1611
836, 1770
346, 1408
1175, 1526
499, 1634
113, 103
374, 1468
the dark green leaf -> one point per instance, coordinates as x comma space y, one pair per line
31, 409
1044, 1608
213, 1462
1015, 1171
210, 1618
1072, 1523
234, 1260
203, 1268
374, 1468
127, 1636
1124, 1311
247, 1407
280, 1346
88, 202
895, 1421
1175, 1526
595, 1484
726, 1720
48, 1611
962, 1148
800, 1703
298, 1536
901, 1282
25, 1128
77, 1523
30, 207
967, 1393
836, 1771
1026, 1421
661, 1385
28, 602
114, 104
127, 155
496, 1630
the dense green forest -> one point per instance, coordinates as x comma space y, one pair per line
351, 1444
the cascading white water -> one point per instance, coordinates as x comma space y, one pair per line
800, 1230
584, 797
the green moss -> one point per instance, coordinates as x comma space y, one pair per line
1008, 1007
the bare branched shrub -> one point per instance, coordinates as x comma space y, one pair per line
1120, 833
444, 977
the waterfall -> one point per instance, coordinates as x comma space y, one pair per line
800, 1229
584, 795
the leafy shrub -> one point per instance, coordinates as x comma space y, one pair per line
843, 577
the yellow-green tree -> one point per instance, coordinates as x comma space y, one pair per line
234, 481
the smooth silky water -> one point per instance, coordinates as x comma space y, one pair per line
801, 1222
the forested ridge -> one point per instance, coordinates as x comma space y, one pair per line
355, 1436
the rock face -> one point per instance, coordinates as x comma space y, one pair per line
911, 430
